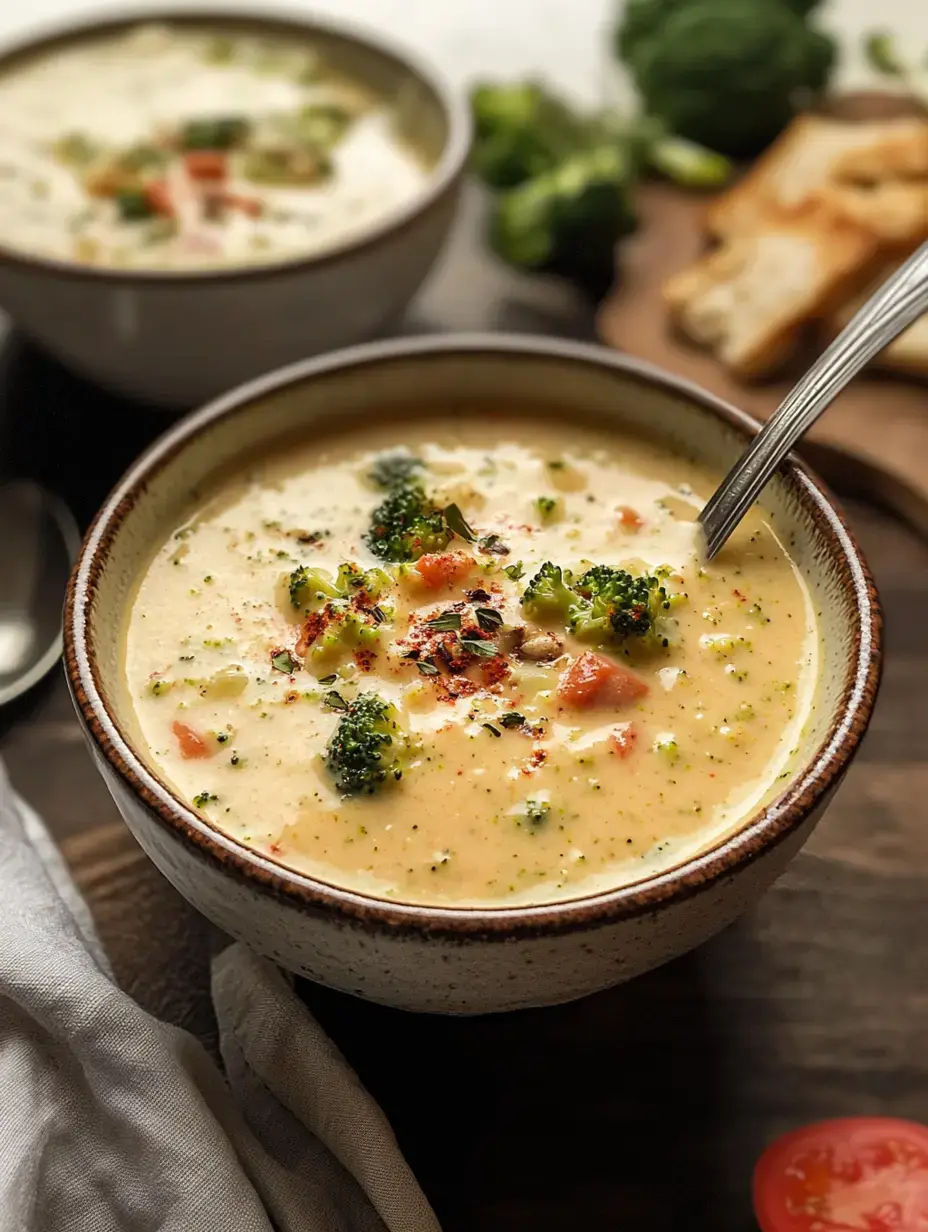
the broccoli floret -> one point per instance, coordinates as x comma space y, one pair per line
521, 130
407, 525
548, 595
311, 589
392, 470
569, 220
621, 604
729, 74
367, 747
604, 605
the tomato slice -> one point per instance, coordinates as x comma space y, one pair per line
857, 1174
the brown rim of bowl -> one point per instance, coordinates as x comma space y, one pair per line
443, 176
764, 830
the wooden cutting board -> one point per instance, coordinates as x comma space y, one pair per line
880, 420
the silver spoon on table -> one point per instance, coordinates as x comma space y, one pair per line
39, 541
893, 308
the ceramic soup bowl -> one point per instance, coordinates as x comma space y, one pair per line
462, 960
178, 337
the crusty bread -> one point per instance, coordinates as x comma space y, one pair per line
895, 212
909, 352
805, 231
749, 299
815, 152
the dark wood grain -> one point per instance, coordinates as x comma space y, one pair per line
642, 1108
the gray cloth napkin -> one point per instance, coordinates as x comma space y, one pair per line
111, 1121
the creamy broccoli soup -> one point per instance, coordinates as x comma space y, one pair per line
489, 666
170, 147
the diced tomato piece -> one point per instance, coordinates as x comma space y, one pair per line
856, 1172
159, 197
623, 739
592, 680
205, 164
629, 518
440, 569
191, 743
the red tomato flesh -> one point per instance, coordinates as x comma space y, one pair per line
857, 1174
191, 743
592, 680
438, 569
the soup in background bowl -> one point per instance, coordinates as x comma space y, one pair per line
191, 198
405, 667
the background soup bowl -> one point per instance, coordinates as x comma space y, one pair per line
460, 960
177, 338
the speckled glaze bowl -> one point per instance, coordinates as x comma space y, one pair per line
178, 337
460, 960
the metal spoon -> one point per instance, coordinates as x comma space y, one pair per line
900, 301
39, 541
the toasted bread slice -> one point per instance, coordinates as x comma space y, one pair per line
749, 299
902, 154
908, 353
895, 212
813, 153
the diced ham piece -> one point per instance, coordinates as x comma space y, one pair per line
192, 744
440, 569
593, 681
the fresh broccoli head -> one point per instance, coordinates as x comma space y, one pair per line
603, 605
521, 130
569, 220
407, 525
366, 749
729, 74
621, 605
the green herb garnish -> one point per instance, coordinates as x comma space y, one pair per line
456, 521
204, 798
427, 668
511, 719
488, 619
334, 701
514, 572
284, 661
485, 650
445, 622
494, 731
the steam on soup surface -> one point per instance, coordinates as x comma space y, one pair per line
486, 668
170, 147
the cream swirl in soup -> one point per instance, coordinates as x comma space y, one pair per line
179, 148
486, 667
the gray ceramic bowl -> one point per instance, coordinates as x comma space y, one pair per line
177, 337
459, 960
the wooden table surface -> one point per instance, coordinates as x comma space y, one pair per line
640, 1108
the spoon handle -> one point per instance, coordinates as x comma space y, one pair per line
900, 301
